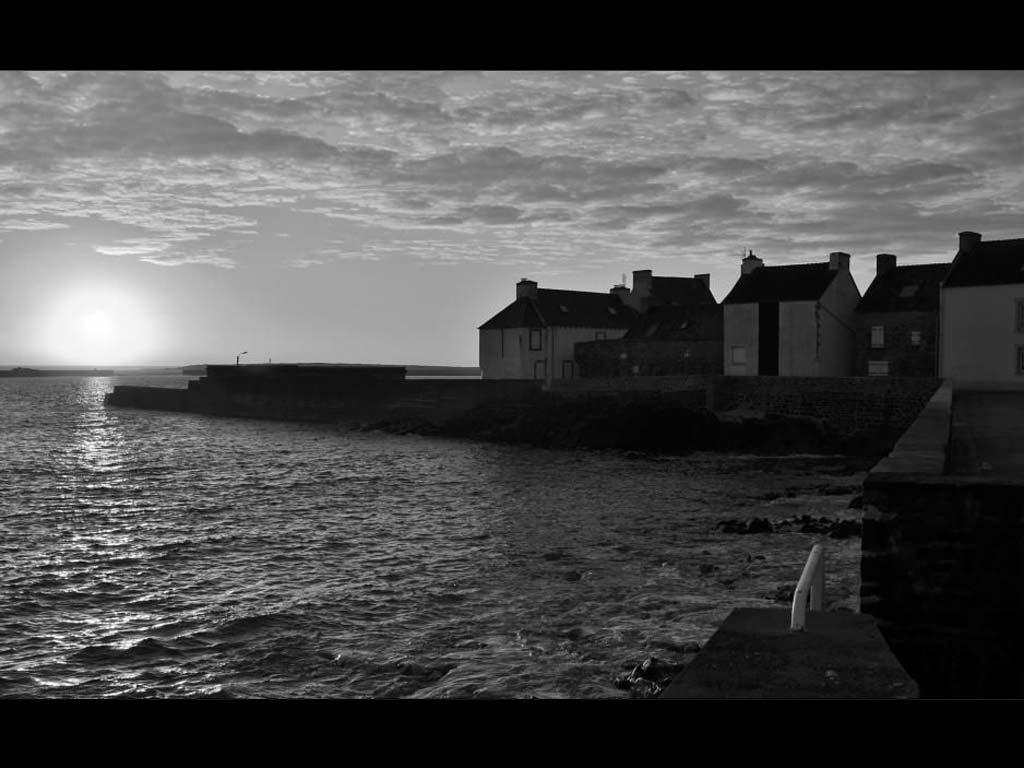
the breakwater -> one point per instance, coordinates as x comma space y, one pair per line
323, 393
663, 414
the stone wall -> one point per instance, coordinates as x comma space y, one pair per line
849, 404
943, 572
942, 565
348, 399
649, 357
904, 358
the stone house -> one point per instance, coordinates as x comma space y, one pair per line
898, 320
981, 314
678, 331
535, 336
795, 320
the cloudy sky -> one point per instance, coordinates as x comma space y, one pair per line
181, 217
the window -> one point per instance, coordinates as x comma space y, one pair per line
540, 369
739, 355
908, 290
1020, 360
1020, 315
878, 367
502, 342
600, 335
877, 336
915, 338
535, 339
567, 369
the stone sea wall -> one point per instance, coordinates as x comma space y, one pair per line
942, 564
673, 414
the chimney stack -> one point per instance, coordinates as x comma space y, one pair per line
839, 261
705, 278
526, 288
968, 240
621, 291
750, 263
642, 282
884, 262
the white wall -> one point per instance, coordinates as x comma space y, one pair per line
978, 335
740, 329
838, 341
518, 360
798, 338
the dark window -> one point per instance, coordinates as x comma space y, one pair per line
878, 367
600, 335
877, 336
1020, 360
539, 369
1020, 315
502, 342
535, 339
567, 369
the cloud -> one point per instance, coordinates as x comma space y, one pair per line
566, 168
31, 225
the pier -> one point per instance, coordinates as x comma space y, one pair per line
942, 577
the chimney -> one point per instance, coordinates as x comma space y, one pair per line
968, 240
526, 288
884, 262
705, 278
839, 261
621, 291
642, 279
750, 263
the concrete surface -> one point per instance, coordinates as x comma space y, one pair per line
988, 434
754, 655
923, 447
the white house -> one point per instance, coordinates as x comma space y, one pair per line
793, 320
534, 336
981, 311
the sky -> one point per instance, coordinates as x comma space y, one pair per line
170, 218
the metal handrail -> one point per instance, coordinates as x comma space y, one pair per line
810, 588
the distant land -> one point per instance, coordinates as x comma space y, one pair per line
27, 372
413, 371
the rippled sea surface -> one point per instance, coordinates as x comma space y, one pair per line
152, 554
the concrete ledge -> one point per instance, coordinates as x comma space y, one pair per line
754, 655
923, 449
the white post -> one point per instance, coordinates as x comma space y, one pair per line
812, 585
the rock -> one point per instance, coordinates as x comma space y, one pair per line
706, 568
844, 529
759, 525
857, 502
644, 689
573, 576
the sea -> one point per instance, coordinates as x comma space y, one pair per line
148, 554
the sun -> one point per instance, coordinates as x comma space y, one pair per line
90, 324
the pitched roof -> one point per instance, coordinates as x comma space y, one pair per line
991, 262
670, 321
796, 282
564, 308
910, 288
680, 290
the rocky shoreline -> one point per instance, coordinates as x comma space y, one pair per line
645, 426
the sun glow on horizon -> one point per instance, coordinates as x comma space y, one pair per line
97, 325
